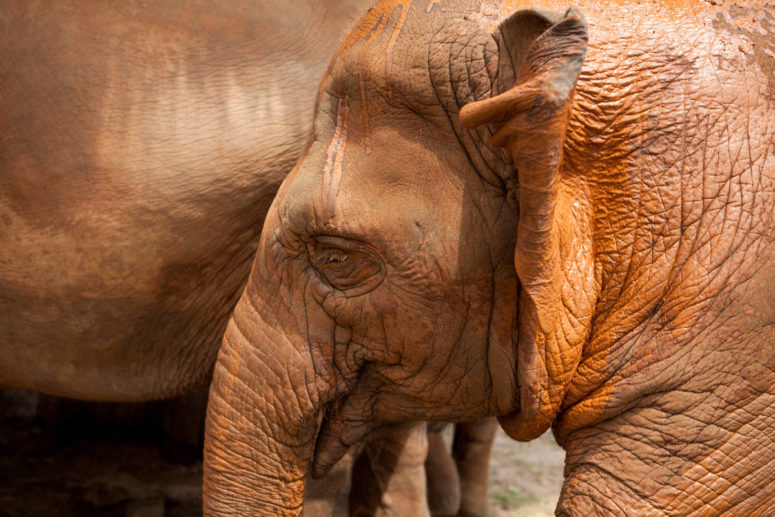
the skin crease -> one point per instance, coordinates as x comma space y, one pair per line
140, 147
616, 287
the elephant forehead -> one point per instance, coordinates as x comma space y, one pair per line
398, 192
386, 57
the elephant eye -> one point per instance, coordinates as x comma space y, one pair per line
335, 257
345, 264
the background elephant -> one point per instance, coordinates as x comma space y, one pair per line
520, 213
140, 147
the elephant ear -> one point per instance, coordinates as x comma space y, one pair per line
545, 53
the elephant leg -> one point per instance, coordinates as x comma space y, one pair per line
388, 478
441, 476
323, 497
471, 450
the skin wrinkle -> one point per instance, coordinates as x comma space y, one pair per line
630, 271
631, 488
333, 167
285, 480
455, 106
438, 98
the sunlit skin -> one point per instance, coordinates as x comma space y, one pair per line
562, 219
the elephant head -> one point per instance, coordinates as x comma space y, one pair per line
401, 265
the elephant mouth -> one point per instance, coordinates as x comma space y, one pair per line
336, 435
349, 420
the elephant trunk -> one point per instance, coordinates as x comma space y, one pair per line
263, 416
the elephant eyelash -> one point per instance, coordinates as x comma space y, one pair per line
345, 264
323, 257
336, 258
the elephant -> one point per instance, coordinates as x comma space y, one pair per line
140, 147
561, 216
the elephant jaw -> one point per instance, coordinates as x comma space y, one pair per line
347, 421
350, 420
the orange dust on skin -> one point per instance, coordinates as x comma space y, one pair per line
589, 391
365, 110
608, 159
394, 36
372, 26
375, 31
678, 9
332, 171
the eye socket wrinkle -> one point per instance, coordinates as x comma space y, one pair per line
345, 264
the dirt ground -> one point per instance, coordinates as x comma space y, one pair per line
82, 466
525, 478
87, 459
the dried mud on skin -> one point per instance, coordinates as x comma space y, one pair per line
67, 472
